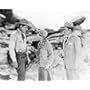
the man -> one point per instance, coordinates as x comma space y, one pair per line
46, 57
72, 50
18, 48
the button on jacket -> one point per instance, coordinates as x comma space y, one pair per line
16, 43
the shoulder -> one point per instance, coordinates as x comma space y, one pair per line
13, 35
74, 38
48, 43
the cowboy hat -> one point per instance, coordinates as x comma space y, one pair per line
72, 27
78, 20
75, 22
26, 23
23, 22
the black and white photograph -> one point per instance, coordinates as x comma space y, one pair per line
28, 52
44, 44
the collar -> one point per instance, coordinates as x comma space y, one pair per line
18, 30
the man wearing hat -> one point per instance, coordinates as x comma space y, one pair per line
46, 57
18, 48
72, 50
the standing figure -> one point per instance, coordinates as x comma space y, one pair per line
18, 48
46, 57
72, 49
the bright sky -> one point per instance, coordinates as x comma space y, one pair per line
53, 19
50, 13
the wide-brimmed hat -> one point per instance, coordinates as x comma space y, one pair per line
26, 23
74, 28
23, 22
78, 20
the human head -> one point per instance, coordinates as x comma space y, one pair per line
24, 28
43, 33
67, 32
68, 28
23, 25
77, 30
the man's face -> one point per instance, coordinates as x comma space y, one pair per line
67, 32
24, 28
41, 35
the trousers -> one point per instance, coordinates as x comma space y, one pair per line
43, 74
22, 61
71, 72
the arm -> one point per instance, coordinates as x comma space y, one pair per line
78, 47
34, 38
50, 54
12, 47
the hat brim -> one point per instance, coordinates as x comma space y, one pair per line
22, 24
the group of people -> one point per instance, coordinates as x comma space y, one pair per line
18, 48
21, 43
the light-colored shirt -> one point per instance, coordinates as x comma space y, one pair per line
20, 43
16, 43
46, 54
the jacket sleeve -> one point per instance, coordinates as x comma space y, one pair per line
34, 38
50, 54
78, 47
12, 47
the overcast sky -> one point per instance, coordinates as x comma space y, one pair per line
53, 19
50, 13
